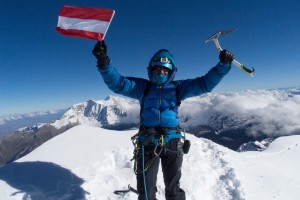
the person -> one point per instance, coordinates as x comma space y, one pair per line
159, 137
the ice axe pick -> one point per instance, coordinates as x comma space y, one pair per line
215, 37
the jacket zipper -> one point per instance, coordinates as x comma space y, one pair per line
160, 96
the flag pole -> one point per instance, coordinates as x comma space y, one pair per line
108, 24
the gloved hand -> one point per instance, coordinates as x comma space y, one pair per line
226, 56
100, 52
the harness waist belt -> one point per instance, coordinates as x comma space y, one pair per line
161, 130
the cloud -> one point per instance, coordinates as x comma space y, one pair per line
273, 112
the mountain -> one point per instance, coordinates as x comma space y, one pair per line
21, 142
255, 145
114, 112
229, 119
90, 163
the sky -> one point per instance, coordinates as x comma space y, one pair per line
41, 69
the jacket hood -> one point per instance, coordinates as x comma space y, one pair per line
165, 59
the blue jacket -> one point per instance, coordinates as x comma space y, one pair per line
160, 104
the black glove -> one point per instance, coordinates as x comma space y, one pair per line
99, 52
226, 56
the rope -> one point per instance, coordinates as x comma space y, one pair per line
144, 176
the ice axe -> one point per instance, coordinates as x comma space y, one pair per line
215, 37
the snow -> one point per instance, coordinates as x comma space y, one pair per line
90, 163
273, 173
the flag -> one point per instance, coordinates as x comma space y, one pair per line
91, 23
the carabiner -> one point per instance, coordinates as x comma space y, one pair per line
155, 150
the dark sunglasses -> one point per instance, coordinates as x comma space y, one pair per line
159, 69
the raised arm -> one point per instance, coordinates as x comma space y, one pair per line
127, 86
204, 84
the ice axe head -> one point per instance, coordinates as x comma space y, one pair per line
216, 35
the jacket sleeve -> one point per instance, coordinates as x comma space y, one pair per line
204, 84
127, 86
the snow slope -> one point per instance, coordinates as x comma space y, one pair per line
90, 163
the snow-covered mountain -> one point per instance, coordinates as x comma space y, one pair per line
90, 163
112, 113
269, 112
229, 119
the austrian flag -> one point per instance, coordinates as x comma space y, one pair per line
91, 23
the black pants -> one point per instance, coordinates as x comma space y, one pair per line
171, 162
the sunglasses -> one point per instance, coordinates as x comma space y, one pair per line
160, 69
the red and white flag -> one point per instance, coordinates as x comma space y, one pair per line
91, 23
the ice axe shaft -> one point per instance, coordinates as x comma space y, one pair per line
215, 37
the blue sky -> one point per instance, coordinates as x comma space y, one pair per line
41, 69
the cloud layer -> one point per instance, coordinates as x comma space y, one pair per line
273, 112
